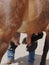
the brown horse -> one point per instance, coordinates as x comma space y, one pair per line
35, 17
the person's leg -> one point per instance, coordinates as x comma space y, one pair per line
11, 52
31, 50
31, 58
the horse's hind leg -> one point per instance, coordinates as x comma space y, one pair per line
3, 48
45, 51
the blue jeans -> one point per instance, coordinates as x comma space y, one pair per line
31, 57
10, 54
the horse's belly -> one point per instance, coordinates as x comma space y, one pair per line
31, 25
30, 28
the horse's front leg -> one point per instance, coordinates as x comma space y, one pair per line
3, 48
45, 51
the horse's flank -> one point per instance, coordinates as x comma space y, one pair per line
11, 16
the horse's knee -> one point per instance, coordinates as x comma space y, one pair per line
3, 48
3, 45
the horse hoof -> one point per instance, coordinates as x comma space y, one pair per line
42, 63
9, 62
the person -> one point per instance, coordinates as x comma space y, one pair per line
13, 45
30, 49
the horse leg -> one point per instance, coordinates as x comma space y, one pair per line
3, 48
45, 51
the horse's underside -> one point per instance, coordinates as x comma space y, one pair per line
12, 19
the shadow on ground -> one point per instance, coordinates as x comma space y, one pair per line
23, 60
